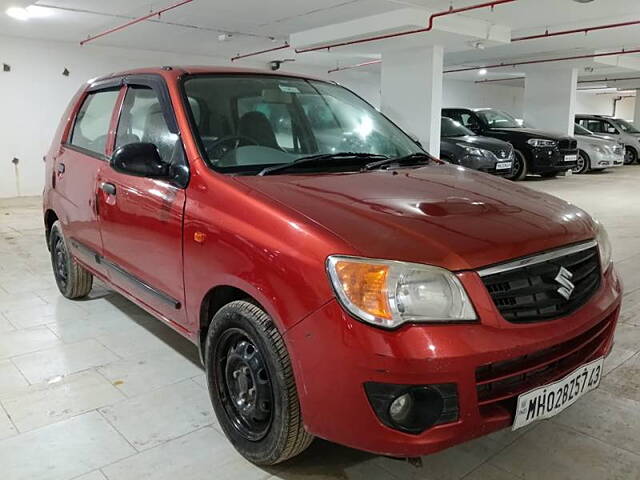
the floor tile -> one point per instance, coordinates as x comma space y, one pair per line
552, 452
161, 415
7, 428
607, 417
489, 472
63, 450
45, 403
149, 370
202, 455
26, 341
624, 381
72, 330
96, 475
10, 377
44, 314
5, 325
63, 360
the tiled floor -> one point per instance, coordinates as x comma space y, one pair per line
97, 389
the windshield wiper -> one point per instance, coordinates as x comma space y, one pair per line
319, 160
411, 159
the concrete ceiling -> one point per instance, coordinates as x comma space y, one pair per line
259, 24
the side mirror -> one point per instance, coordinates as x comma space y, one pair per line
140, 160
612, 130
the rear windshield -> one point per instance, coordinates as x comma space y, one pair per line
498, 119
245, 123
451, 128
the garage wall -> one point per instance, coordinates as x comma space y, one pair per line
602, 104
458, 93
34, 94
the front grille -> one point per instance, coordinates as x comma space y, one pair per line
568, 144
499, 384
534, 292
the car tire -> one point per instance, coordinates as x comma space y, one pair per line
72, 279
520, 167
583, 164
630, 156
251, 385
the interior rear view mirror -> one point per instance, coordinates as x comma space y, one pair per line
139, 159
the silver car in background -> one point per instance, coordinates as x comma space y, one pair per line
595, 152
623, 131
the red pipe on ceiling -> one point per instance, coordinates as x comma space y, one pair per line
444, 13
137, 20
238, 57
609, 80
349, 67
545, 60
586, 30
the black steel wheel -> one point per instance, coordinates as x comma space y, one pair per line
582, 163
73, 280
251, 385
630, 156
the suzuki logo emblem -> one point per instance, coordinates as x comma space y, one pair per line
564, 279
503, 154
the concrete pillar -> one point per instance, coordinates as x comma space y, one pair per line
412, 92
550, 99
636, 109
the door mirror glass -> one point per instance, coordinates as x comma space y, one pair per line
139, 159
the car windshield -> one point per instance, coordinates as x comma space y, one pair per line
498, 119
246, 123
626, 126
451, 128
580, 130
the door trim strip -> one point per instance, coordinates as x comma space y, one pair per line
101, 260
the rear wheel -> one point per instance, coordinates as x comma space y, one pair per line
520, 167
582, 163
630, 156
251, 385
72, 279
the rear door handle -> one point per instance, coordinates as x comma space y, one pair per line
108, 188
61, 168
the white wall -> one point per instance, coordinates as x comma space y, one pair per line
458, 93
34, 94
602, 104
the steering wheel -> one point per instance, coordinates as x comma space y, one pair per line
228, 143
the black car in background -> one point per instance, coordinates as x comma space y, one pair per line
461, 146
536, 151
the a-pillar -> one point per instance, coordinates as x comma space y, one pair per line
550, 99
412, 92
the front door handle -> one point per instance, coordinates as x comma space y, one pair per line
108, 188
61, 168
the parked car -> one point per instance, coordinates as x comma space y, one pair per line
623, 131
461, 146
536, 152
596, 153
370, 294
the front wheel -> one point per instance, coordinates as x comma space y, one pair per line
630, 156
73, 280
582, 163
251, 385
520, 167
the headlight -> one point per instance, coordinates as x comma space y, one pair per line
474, 151
541, 142
388, 293
599, 148
604, 246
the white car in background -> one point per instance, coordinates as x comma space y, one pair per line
596, 152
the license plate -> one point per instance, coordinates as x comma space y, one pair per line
571, 158
503, 165
551, 399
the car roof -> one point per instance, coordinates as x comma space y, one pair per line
176, 70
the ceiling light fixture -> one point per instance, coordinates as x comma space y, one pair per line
583, 1
18, 13
36, 11
482, 71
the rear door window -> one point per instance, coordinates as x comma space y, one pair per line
91, 127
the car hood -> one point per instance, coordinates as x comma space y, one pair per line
531, 133
492, 144
441, 215
595, 140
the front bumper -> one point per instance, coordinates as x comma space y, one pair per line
605, 160
487, 165
550, 159
333, 355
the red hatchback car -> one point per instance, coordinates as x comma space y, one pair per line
338, 281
